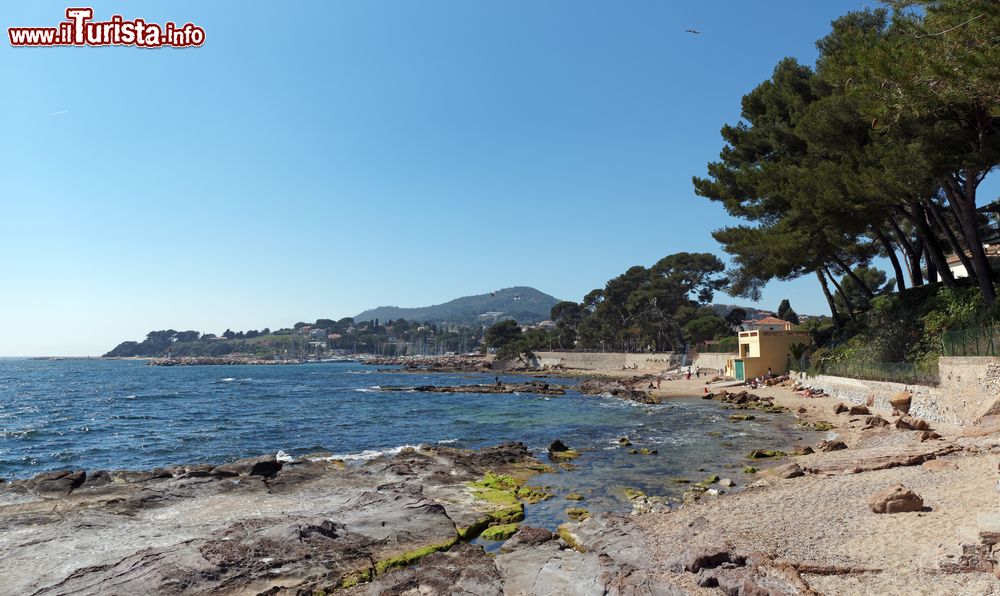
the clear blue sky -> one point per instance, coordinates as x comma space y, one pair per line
314, 159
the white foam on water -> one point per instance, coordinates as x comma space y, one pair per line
447, 441
365, 455
284, 457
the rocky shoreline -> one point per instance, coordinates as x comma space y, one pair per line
535, 387
452, 364
218, 361
272, 526
884, 503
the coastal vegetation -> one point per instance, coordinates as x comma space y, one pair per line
875, 151
662, 307
390, 338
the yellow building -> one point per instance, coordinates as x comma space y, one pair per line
760, 350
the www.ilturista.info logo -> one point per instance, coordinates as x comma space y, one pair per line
79, 29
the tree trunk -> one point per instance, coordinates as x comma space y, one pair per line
964, 198
890, 251
829, 298
840, 290
949, 234
857, 280
910, 252
916, 269
935, 255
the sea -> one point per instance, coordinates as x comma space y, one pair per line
116, 414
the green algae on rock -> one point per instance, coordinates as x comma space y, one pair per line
502, 532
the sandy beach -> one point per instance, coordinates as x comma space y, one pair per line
821, 523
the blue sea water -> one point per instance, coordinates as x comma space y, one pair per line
96, 414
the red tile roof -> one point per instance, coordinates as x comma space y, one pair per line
770, 321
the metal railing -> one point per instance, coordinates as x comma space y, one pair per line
918, 373
973, 341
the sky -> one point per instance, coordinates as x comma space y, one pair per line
325, 157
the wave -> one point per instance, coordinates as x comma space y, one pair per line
18, 434
447, 441
372, 389
365, 455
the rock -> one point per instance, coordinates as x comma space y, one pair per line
901, 401
727, 482
830, 446
574, 497
938, 465
759, 575
802, 410
624, 442
617, 389
608, 555
696, 558
876, 422
527, 536
498, 533
854, 461
197, 471
557, 446
989, 527
765, 453
840, 408
859, 411
910, 423
60, 482
929, 435
464, 569
264, 465
537, 387
504, 454
577, 513
98, 479
803, 450
895, 499
792, 470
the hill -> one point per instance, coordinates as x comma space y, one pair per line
524, 304
752, 313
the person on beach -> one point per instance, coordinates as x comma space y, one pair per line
658, 382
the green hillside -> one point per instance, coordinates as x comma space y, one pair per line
526, 305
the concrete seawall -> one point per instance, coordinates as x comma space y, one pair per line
714, 361
969, 390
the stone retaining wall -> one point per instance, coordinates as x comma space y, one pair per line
647, 362
969, 390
